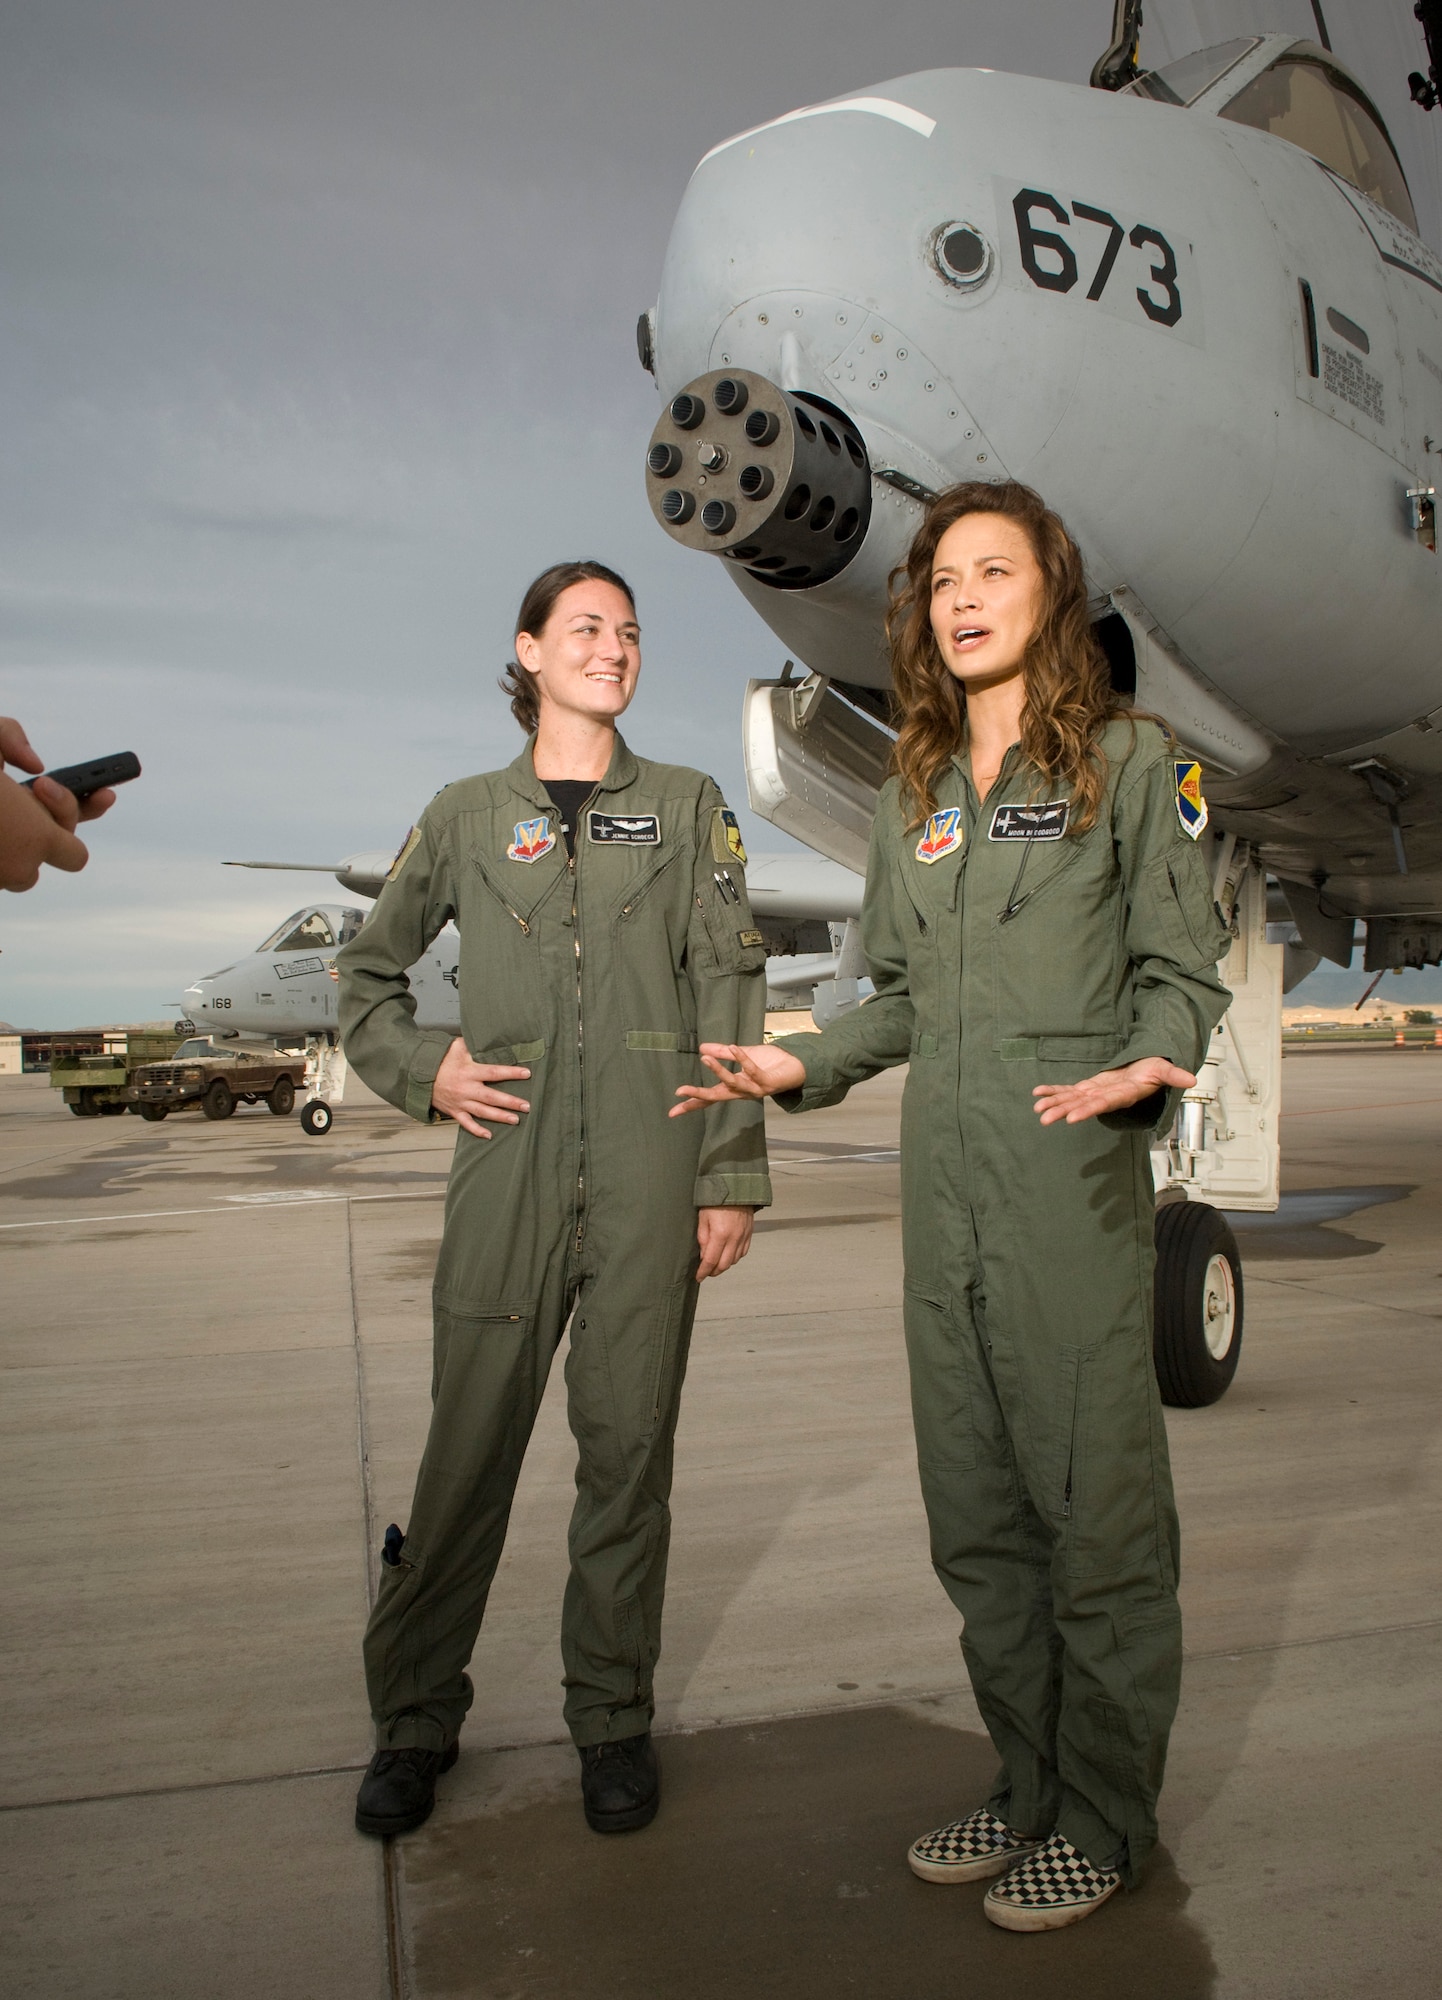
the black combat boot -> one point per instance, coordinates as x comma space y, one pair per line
620, 1784
398, 1790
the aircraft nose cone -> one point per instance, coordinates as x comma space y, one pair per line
775, 481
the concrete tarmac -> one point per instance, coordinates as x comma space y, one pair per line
215, 1344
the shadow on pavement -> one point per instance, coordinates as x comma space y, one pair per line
777, 1867
1296, 1228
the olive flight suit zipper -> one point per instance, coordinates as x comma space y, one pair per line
580, 1059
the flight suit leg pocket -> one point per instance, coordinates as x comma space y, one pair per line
1106, 1478
941, 1399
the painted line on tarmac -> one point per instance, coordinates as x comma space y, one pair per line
1333, 1110
237, 1204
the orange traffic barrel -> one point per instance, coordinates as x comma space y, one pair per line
1399, 1040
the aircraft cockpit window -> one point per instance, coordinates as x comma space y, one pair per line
1183, 81
307, 930
1309, 103
350, 923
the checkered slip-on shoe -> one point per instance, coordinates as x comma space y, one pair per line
968, 1850
1050, 1888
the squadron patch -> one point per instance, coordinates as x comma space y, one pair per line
533, 838
1191, 806
625, 830
942, 834
1045, 822
404, 852
726, 841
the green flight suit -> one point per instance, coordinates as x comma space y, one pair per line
600, 977
1007, 961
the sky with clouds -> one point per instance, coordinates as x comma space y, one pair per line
317, 319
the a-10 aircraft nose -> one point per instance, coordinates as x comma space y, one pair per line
777, 482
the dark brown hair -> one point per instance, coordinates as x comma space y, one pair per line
534, 615
1069, 697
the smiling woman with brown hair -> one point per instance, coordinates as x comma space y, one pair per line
1040, 930
601, 905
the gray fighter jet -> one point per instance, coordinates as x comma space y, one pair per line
1190, 305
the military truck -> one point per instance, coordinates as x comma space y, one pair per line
217, 1076
94, 1068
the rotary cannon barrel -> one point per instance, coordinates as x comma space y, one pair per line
777, 482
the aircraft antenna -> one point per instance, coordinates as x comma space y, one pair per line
1427, 90
1118, 66
1320, 18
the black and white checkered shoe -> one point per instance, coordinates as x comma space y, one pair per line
1050, 1888
968, 1850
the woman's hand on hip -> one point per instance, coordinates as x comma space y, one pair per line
1110, 1090
723, 1236
463, 1090
762, 1071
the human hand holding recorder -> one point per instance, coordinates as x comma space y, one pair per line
38, 817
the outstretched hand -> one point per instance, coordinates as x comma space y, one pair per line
1109, 1090
761, 1071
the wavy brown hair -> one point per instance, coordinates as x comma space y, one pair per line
1069, 697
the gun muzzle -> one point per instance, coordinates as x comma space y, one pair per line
774, 480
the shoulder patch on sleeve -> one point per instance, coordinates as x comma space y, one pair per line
1191, 806
726, 842
404, 852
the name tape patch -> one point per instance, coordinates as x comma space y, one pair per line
749, 937
533, 838
1191, 806
1044, 822
941, 835
625, 829
726, 841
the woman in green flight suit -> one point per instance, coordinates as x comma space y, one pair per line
1040, 929
604, 927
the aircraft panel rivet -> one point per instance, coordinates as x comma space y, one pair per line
928, 386
763, 319
901, 354
877, 338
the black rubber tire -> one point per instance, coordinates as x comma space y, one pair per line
218, 1101
152, 1113
84, 1110
1189, 1234
112, 1110
316, 1117
282, 1097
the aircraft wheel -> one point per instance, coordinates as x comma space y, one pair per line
282, 1097
1197, 1304
217, 1101
316, 1117
151, 1113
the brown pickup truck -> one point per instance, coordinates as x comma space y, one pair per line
217, 1077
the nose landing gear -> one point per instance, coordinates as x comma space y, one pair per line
1197, 1304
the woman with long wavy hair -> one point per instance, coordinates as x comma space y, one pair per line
1040, 930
